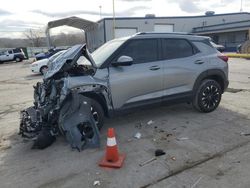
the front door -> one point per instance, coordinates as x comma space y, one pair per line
140, 82
5, 56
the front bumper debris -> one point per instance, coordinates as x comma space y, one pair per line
74, 120
29, 124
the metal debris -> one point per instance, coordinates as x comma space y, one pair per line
182, 138
148, 161
196, 182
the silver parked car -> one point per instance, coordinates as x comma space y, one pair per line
122, 74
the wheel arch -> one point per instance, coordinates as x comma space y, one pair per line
98, 97
40, 69
214, 74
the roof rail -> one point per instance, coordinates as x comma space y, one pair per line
173, 33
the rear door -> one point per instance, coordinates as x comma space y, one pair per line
182, 65
143, 80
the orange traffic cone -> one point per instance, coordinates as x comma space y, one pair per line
112, 158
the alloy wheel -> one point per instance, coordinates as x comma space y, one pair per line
210, 97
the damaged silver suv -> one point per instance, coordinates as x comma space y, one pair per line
80, 88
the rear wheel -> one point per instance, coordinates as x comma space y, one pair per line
208, 96
18, 59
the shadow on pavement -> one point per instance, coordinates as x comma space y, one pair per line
206, 135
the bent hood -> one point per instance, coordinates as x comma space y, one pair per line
68, 59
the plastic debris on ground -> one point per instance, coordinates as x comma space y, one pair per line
244, 134
173, 158
137, 135
97, 183
150, 122
159, 152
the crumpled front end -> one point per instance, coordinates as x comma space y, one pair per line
60, 105
59, 110
42, 117
29, 125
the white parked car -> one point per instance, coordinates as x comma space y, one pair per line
41, 66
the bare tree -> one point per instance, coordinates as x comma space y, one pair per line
63, 39
35, 37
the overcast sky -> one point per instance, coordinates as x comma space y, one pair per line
19, 15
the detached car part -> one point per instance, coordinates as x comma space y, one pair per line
78, 124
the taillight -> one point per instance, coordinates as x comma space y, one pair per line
223, 57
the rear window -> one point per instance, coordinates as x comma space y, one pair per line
176, 48
17, 50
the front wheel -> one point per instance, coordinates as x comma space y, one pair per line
43, 70
208, 96
98, 113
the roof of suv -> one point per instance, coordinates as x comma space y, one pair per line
169, 35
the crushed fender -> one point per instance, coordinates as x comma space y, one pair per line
60, 107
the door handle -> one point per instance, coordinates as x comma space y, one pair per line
199, 62
155, 67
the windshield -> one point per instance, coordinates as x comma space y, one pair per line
103, 52
56, 55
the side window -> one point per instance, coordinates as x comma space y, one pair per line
10, 52
17, 50
141, 51
176, 48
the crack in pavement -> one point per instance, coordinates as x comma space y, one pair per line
197, 163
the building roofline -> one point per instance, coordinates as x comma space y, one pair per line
173, 17
228, 23
237, 28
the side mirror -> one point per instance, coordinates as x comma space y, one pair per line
123, 61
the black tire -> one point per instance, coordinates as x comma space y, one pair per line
43, 69
98, 113
18, 59
208, 96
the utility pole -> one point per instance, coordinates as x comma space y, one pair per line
100, 7
240, 5
113, 19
